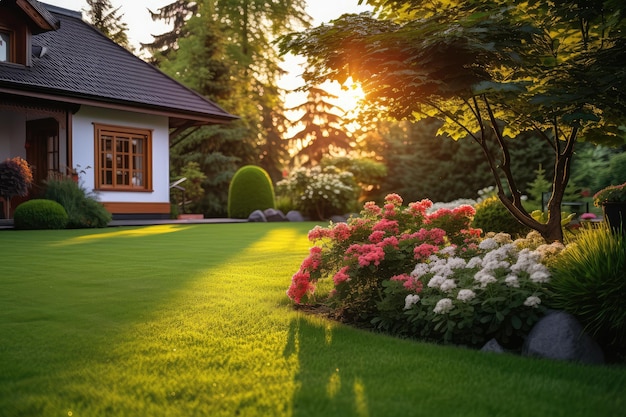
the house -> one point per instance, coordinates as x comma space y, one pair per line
71, 99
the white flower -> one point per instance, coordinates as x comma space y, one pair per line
410, 300
456, 262
488, 244
420, 269
540, 277
475, 262
436, 281
532, 301
447, 285
512, 281
443, 306
448, 250
465, 295
484, 277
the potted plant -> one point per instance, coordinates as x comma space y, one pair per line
16, 179
612, 199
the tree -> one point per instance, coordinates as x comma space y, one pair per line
321, 128
105, 18
223, 50
487, 70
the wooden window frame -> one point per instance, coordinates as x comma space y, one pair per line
122, 134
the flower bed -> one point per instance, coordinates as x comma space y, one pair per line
405, 271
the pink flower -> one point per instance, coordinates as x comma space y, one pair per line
371, 208
408, 282
300, 285
367, 254
341, 232
424, 250
313, 261
394, 199
587, 216
419, 208
387, 225
389, 241
318, 232
439, 213
341, 276
464, 211
390, 210
377, 236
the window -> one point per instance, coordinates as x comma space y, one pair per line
123, 158
5, 46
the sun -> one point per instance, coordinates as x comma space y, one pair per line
349, 95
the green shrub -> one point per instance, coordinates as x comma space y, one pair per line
83, 210
40, 214
250, 189
589, 281
492, 216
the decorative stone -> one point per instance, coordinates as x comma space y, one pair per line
559, 335
273, 215
493, 346
257, 216
295, 216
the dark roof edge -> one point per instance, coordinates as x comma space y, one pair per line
122, 105
63, 11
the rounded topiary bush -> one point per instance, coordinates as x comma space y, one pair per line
40, 214
492, 216
250, 189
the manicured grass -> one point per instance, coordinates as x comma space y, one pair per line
193, 321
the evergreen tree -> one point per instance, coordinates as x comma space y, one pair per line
321, 129
105, 18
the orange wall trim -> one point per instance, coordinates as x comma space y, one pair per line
137, 208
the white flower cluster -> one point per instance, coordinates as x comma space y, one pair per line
451, 205
501, 262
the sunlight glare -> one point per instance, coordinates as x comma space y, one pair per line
135, 232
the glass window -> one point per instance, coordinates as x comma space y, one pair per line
123, 155
5, 47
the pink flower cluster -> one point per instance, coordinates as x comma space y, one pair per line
399, 234
410, 283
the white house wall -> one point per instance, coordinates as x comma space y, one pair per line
83, 151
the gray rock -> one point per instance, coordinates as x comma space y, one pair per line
295, 216
558, 335
273, 215
339, 218
493, 346
257, 216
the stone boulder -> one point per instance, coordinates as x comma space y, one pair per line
559, 335
493, 346
257, 216
273, 215
295, 216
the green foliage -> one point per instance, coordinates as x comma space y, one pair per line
610, 194
40, 214
320, 192
615, 173
105, 18
192, 185
82, 208
588, 281
539, 186
488, 71
250, 189
492, 216
367, 172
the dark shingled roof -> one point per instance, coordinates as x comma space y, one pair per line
83, 66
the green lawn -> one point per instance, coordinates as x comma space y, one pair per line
183, 320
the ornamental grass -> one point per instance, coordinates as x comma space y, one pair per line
193, 320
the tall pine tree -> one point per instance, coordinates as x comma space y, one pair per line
105, 18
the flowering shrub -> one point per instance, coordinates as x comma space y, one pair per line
431, 276
320, 192
497, 292
380, 245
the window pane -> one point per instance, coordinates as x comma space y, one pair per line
5, 47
